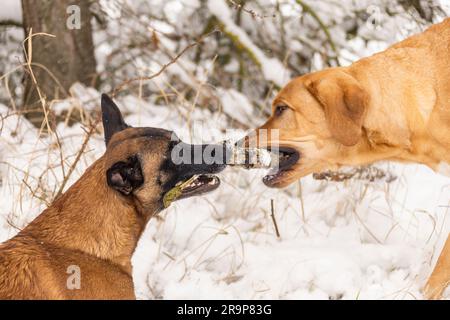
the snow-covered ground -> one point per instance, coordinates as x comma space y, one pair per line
338, 240
352, 240
11, 10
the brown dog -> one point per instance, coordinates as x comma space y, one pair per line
394, 105
81, 246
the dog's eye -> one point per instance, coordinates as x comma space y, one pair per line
279, 110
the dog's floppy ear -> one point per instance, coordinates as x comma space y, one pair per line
344, 102
125, 176
112, 118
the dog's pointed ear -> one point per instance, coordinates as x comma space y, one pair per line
112, 118
345, 103
125, 176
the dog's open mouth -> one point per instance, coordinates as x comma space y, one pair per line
193, 186
287, 157
199, 184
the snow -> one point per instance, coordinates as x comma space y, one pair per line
446, 5
354, 240
236, 105
11, 10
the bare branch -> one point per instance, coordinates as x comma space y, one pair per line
164, 67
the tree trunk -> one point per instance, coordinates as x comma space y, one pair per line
60, 61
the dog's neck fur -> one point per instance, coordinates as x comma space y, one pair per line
410, 146
92, 218
406, 131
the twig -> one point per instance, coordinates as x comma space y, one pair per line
34, 195
29, 58
164, 67
253, 13
302, 206
78, 157
274, 220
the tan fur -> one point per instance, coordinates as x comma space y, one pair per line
394, 105
91, 226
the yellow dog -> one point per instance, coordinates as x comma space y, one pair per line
394, 105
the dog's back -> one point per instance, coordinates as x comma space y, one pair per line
30, 269
20, 260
